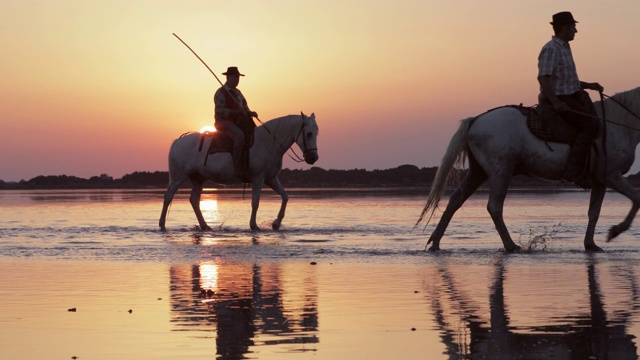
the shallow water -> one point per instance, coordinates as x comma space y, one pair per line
345, 277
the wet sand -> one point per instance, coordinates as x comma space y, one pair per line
492, 306
127, 310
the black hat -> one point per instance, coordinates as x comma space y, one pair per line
232, 70
563, 17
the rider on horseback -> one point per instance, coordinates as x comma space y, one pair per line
560, 85
233, 117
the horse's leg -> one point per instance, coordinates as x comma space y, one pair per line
194, 199
256, 190
168, 197
474, 178
595, 205
621, 184
277, 187
497, 194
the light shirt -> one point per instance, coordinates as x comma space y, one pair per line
556, 59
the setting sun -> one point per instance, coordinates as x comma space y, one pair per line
207, 129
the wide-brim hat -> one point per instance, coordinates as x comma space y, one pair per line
564, 17
232, 70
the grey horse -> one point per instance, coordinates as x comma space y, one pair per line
189, 160
498, 145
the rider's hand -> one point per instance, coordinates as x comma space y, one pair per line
254, 114
598, 87
593, 86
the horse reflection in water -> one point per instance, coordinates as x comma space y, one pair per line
246, 305
467, 333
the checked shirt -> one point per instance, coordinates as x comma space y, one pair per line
556, 59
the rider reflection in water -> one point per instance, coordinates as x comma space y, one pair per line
560, 85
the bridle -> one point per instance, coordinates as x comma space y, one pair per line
305, 149
295, 157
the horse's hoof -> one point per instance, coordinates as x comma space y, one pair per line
276, 225
593, 248
205, 228
255, 228
434, 248
613, 233
512, 249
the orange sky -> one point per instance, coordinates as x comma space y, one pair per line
92, 87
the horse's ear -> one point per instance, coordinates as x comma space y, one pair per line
302, 114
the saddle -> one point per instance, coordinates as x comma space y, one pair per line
220, 142
545, 123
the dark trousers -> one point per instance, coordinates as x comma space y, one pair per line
232, 130
581, 102
585, 121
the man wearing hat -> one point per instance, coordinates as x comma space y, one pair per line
233, 117
560, 85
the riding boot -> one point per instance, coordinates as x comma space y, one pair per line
236, 155
576, 170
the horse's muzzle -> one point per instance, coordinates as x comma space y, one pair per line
310, 157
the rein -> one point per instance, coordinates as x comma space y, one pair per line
605, 121
603, 113
621, 105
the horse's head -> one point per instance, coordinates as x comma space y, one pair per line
307, 138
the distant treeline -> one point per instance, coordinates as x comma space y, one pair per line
316, 177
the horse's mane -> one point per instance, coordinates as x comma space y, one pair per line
282, 126
615, 112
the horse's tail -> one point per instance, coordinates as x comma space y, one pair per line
454, 158
171, 157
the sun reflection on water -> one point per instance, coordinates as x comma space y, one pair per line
210, 210
208, 276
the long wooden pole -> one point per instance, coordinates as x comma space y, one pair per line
194, 53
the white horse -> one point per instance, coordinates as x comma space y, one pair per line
498, 145
189, 159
